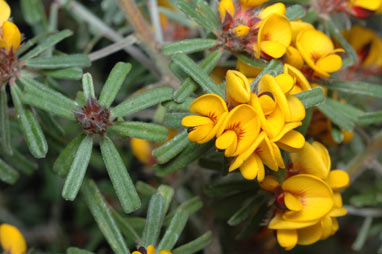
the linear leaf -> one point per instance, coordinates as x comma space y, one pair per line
78, 169
177, 16
142, 101
8, 174
102, 215
190, 206
187, 46
22, 163
47, 43
370, 118
45, 98
55, 62
5, 132
332, 110
147, 131
311, 97
208, 12
295, 12
174, 230
193, 13
126, 228
196, 245
172, 148
87, 86
30, 127
197, 73
119, 176
72, 73
168, 193
173, 106
74, 250
113, 83
145, 189
355, 87
174, 120
246, 210
258, 63
154, 220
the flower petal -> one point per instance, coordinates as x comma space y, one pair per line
191, 121
247, 70
293, 141
224, 7
214, 130
241, 30
277, 153
293, 57
237, 87
297, 109
266, 153
251, 167
225, 140
5, 11
278, 8
297, 27
301, 82
210, 105
371, 5
292, 203
287, 128
269, 183
267, 103
277, 222
11, 240
330, 63
287, 238
309, 235
11, 36
150, 249
326, 227
164, 252
142, 150
286, 82
273, 48
338, 179
200, 132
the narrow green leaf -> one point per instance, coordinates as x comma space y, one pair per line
47, 43
173, 232
168, 193
370, 118
177, 16
78, 169
119, 176
192, 152
154, 220
5, 132
362, 234
337, 135
257, 63
30, 127
208, 12
306, 121
187, 46
253, 223
142, 130
65, 160
113, 83
142, 101
8, 174
174, 120
311, 97
43, 97
229, 187
55, 62
126, 228
172, 148
199, 75
72, 73
173, 106
190, 206
87, 86
102, 215
196, 245
274, 68
177, 71
74, 250
145, 189
355, 87
336, 115
189, 86
33, 11
246, 210
22, 163
294, 12
193, 13
30, 43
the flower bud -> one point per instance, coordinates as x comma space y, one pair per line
237, 87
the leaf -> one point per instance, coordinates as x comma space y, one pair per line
113, 83
187, 46
119, 176
246, 210
192, 152
362, 234
274, 68
22, 163
126, 228
174, 230
78, 169
73, 73
257, 63
8, 174
32, 11
196, 245
174, 120
189, 86
87, 86
193, 13
311, 97
190, 206
155, 215
200, 76
177, 16
5, 132
55, 62
47, 43
337, 135
208, 12
148, 131
30, 127
173, 106
65, 160
168, 193
102, 215
43, 97
145, 189
355, 87
74, 250
294, 12
370, 118
142, 101
306, 121
229, 187
254, 223
167, 151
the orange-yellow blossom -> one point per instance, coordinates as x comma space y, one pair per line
11, 240
151, 250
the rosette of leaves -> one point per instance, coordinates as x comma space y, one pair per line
99, 120
130, 232
36, 60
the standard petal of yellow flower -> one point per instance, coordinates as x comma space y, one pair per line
292, 203
338, 179
238, 90
251, 3
296, 108
287, 238
323, 153
310, 161
275, 35
286, 82
302, 84
247, 70
287, 128
241, 30
269, 183
315, 195
293, 57
12, 241
278, 222
330, 63
292, 141
267, 154
226, 6
371, 5
252, 168
210, 105
297, 27
5, 11
164, 252
11, 36
278, 8
309, 235
190, 121
267, 103
201, 133
142, 150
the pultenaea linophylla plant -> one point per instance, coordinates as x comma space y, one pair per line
179, 127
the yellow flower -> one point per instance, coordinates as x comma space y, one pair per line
318, 52
301, 83
5, 12
142, 150
251, 3
238, 90
210, 110
294, 58
150, 250
371, 5
12, 241
11, 37
247, 70
241, 30
226, 6
299, 26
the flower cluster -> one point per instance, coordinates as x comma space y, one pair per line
11, 240
150, 250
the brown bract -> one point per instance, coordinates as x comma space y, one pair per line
9, 66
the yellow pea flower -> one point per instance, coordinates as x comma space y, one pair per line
12, 241
210, 110
11, 36
252, 3
299, 26
150, 250
293, 57
371, 5
301, 83
238, 90
318, 52
247, 70
5, 12
142, 150
226, 6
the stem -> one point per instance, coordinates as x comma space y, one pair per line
155, 20
364, 212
